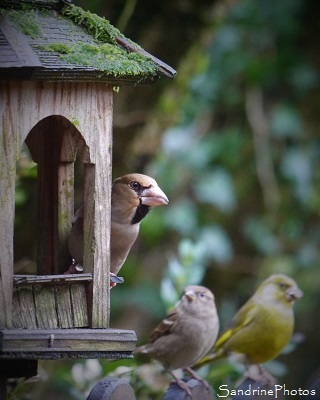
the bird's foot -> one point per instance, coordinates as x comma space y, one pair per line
259, 374
75, 268
197, 377
184, 386
114, 279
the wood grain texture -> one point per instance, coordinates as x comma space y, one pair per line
54, 301
27, 308
45, 306
54, 114
23, 342
63, 305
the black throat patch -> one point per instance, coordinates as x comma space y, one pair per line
141, 211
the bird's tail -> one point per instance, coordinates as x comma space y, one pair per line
208, 359
142, 349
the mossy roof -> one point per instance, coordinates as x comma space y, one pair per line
53, 40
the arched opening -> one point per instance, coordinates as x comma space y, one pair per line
53, 144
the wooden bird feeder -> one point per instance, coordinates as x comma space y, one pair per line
58, 68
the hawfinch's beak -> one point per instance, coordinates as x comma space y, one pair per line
294, 293
190, 295
153, 196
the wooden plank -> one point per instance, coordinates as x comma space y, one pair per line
65, 187
97, 205
79, 305
51, 279
66, 340
16, 317
8, 153
63, 306
44, 142
45, 306
27, 308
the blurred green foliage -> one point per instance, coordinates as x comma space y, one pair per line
244, 191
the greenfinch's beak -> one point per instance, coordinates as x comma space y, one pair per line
153, 196
294, 293
190, 295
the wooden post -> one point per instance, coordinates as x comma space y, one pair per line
112, 389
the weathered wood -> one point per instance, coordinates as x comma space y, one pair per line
79, 305
45, 112
27, 308
64, 307
44, 300
22, 280
44, 142
39, 342
197, 388
8, 154
112, 389
50, 301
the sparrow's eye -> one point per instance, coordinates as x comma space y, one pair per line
202, 295
135, 185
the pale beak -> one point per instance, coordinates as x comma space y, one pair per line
153, 196
294, 293
190, 295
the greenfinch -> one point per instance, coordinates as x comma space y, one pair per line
186, 334
263, 325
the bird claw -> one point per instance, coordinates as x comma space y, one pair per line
114, 280
183, 385
259, 374
75, 268
197, 377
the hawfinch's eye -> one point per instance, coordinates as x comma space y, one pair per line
135, 185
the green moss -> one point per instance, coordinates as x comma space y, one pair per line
61, 48
108, 57
97, 26
103, 53
27, 21
104, 57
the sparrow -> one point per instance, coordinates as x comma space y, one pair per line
263, 326
132, 198
185, 335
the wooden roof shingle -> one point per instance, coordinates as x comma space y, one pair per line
54, 40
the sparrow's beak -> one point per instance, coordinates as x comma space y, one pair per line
153, 196
190, 296
294, 293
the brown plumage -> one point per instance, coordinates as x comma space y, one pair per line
187, 334
132, 197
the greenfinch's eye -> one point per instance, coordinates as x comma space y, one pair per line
283, 285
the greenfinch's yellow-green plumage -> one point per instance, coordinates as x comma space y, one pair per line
263, 325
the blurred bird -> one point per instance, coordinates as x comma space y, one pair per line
263, 325
132, 197
185, 335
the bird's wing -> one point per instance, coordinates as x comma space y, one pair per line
165, 326
244, 317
